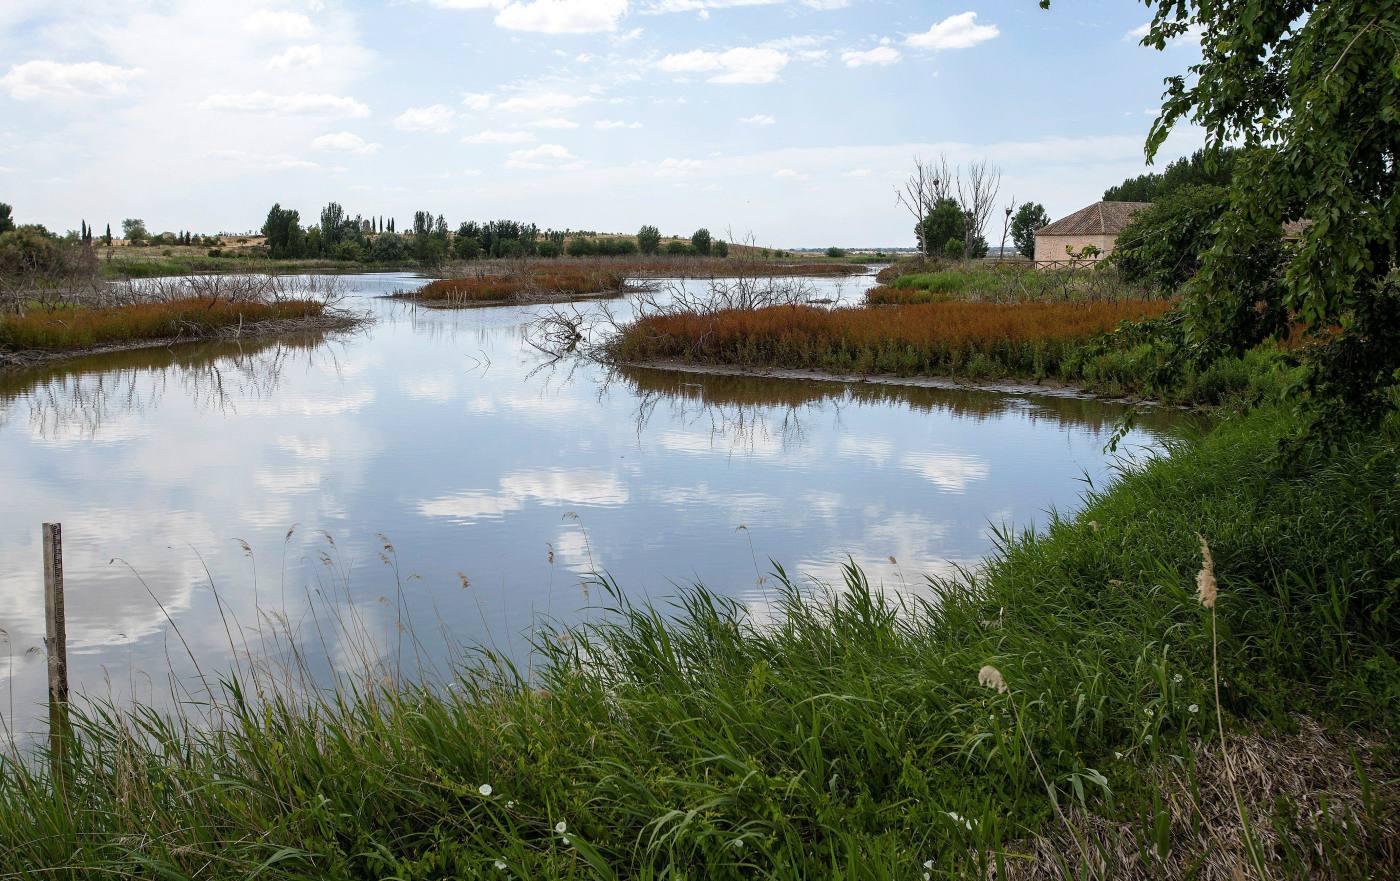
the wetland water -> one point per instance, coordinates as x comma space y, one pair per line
425, 469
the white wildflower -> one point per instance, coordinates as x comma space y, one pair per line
1194, 708
737, 844
485, 789
561, 827
501, 865
1176, 680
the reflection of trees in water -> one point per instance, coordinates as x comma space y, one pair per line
742, 405
78, 396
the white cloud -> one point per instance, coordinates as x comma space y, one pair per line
881, 55
789, 174
563, 16
491, 136
344, 142
554, 122
467, 4
55, 79
434, 118
859, 172
299, 104
959, 31
476, 100
758, 119
543, 102
551, 157
277, 24
298, 57
948, 471
609, 124
741, 65
1138, 32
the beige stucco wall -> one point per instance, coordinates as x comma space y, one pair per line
1050, 250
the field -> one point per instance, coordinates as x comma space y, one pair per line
1060, 701
69, 328
970, 339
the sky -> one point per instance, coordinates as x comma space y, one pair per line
784, 122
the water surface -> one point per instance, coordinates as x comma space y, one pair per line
429, 470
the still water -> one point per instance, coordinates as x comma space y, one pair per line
430, 469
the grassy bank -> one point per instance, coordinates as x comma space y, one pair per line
986, 340
850, 739
71, 328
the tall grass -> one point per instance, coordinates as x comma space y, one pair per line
971, 339
78, 327
996, 282
847, 737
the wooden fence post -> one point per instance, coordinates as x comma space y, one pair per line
56, 641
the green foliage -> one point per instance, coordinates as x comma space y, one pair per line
834, 251
134, 231
1312, 89
720, 248
830, 738
1029, 217
1162, 246
283, 232
1202, 168
941, 232
649, 239
7, 220
676, 247
700, 242
388, 247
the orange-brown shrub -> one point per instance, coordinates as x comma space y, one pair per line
80, 327
982, 339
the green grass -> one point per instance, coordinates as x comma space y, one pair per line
692, 743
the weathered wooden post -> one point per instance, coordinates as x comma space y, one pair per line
56, 642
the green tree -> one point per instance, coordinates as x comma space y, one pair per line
388, 247
700, 241
1311, 90
1215, 167
676, 247
134, 231
942, 226
834, 251
7, 221
649, 239
1029, 217
720, 248
107, 236
1162, 246
282, 230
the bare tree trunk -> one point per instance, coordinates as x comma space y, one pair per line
1006, 227
977, 194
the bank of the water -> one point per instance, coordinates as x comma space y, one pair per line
323, 320
840, 735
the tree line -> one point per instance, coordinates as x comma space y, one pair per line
430, 241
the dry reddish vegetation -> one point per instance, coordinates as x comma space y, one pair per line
981, 339
78, 327
886, 295
545, 281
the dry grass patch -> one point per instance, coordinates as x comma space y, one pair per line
534, 283
1311, 814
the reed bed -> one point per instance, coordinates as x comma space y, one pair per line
536, 282
958, 338
842, 734
64, 328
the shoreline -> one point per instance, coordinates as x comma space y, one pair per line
1047, 389
328, 321
429, 303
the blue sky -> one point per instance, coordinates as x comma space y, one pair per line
790, 121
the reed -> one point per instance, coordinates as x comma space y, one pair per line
536, 281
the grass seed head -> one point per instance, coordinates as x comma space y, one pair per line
1205, 579
991, 677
